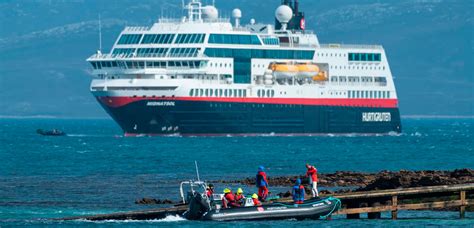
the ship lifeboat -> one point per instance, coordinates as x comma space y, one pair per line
322, 76
284, 70
307, 70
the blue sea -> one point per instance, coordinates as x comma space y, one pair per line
96, 170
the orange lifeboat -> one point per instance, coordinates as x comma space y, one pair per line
284, 70
322, 76
307, 70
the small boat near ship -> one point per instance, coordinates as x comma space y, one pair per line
53, 132
206, 208
195, 205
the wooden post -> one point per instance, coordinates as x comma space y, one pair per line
374, 215
462, 208
353, 205
394, 207
353, 216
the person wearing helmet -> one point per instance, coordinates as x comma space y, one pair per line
255, 200
210, 191
312, 174
262, 183
228, 201
298, 192
239, 197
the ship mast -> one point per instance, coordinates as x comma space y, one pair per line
100, 34
194, 8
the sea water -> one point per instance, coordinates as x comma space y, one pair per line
96, 170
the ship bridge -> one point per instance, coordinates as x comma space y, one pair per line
188, 45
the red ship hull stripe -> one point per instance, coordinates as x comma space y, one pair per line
116, 102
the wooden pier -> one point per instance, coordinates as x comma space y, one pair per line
421, 198
373, 203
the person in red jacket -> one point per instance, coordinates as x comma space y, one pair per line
312, 174
255, 200
262, 183
229, 199
239, 197
210, 191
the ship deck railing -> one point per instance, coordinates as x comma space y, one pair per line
132, 56
136, 28
351, 46
178, 21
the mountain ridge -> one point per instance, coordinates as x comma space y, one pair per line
44, 44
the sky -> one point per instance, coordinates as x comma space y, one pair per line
44, 45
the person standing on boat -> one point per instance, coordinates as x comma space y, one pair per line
312, 174
298, 192
239, 197
262, 183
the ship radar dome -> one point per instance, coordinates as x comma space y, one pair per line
236, 13
284, 14
210, 13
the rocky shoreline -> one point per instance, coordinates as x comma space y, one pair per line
360, 181
350, 181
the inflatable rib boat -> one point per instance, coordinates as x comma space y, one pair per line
53, 132
201, 208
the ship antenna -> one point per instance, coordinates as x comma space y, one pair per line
100, 33
197, 170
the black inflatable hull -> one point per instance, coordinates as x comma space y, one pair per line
312, 209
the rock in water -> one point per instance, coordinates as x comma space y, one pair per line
150, 201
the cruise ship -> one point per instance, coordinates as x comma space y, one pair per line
202, 74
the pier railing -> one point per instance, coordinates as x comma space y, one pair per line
420, 198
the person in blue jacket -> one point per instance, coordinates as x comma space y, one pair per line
298, 192
262, 183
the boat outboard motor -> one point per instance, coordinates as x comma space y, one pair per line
198, 207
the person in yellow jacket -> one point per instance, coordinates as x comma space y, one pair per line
239, 197
255, 200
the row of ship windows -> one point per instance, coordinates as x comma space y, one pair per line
369, 94
266, 93
225, 65
126, 39
190, 38
218, 93
156, 39
359, 79
141, 64
271, 41
374, 57
157, 52
258, 54
358, 67
330, 55
225, 105
234, 39
215, 52
371, 57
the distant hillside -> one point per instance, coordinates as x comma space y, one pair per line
44, 44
